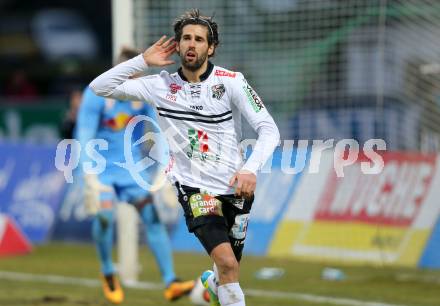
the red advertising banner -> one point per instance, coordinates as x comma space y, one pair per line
393, 197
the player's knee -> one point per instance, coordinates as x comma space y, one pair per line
227, 264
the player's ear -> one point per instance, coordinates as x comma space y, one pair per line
211, 50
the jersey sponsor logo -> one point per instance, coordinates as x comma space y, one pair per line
171, 97
174, 88
223, 73
253, 98
196, 107
203, 156
198, 140
205, 205
218, 91
199, 147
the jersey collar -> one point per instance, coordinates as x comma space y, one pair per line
203, 76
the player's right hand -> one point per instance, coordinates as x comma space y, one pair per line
246, 183
159, 53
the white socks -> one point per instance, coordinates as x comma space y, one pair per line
231, 295
228, 294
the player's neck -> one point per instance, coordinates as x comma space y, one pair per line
194, 76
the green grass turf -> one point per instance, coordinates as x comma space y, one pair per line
409, 287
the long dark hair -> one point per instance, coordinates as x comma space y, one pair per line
193, 17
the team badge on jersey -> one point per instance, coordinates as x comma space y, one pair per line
218, 91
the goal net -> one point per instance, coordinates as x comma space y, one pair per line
326, 68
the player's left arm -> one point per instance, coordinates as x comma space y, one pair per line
253, 109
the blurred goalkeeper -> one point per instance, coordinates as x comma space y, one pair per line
101, 118
200, 108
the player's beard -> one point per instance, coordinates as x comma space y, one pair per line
195, 65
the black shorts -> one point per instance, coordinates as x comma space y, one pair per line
215, 219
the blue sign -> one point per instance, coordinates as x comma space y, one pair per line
73, 223
31, 188
430, 258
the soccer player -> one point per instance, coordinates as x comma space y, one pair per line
101, 118
200, 108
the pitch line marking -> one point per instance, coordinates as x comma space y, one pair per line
87, 282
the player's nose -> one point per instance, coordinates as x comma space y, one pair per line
192, 43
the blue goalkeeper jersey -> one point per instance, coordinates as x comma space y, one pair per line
104, 118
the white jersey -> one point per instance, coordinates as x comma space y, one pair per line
202, 121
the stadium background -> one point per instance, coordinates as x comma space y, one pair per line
326, 69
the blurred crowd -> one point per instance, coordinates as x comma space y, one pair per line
50, 48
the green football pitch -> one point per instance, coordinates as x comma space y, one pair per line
66, 275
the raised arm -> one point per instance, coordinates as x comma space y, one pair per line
119, 82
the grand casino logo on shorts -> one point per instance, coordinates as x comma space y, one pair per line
203, 204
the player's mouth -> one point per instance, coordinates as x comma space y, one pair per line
191, 55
